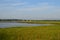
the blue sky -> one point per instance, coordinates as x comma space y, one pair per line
29, 9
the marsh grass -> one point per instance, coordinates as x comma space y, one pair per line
31, 33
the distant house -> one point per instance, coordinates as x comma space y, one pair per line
26, 20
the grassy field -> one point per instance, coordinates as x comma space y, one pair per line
51, 32
41, 21
45, 22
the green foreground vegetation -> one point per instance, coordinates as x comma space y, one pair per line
49, 32
31, 33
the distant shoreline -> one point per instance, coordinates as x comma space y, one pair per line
33, 21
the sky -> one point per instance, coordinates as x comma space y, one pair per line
30, 9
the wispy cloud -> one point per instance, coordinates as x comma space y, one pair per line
12, 4
40, 10
18, 4
37, 7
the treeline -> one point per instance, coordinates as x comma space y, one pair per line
24, 20
10, 19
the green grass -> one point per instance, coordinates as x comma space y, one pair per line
46, 22
31, 33
42, 22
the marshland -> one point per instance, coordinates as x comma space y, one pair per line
36, 32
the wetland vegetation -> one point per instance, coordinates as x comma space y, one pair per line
49, 32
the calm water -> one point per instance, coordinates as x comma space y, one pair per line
6, 24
